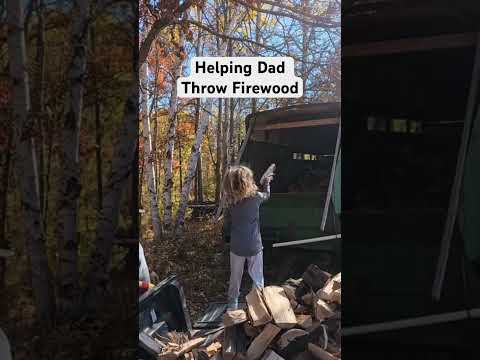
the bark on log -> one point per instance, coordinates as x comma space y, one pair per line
261, 342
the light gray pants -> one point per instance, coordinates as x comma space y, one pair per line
255, 270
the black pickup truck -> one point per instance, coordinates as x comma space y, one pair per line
163, 309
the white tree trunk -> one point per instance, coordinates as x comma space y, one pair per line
172, 129
192, 168
231, 24
122, 165
26, 166
199, 176
218, 144
71, 187
149, 159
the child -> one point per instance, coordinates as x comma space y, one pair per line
242, 202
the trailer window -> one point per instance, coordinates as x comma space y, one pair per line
376, 124
302, 156
415, 127
399, 125
396, 126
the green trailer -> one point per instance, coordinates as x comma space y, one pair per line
303, 211
410, 115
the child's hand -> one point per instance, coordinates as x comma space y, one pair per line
267, 176
269, 179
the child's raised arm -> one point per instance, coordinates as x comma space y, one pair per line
264, 195
267, 177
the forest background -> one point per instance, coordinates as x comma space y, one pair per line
186, 145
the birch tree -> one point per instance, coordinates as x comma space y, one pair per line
98, 122
123, 162
199, 175
170, 147
148, 154
192, 167
122, 166
219, 153
304, 30
26, 166
38, 103
71, 187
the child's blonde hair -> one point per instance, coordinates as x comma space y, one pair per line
238, 184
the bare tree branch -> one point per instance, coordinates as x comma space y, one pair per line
244, 40
312, 20
158, 26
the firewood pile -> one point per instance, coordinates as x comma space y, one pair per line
299, 320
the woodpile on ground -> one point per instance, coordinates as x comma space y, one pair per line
299, 320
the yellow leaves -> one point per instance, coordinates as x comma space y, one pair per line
266, 20
321, 7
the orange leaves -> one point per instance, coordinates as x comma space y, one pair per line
186, 128
189, 35
176, 164
160, 63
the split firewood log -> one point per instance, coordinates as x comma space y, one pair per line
261, 342
234, 342
323, 310
326, 293
301, 309
294, 282
315, 278
304, 321
319, 353
292, 342
257, 309
279, 306
271, 355
290, 291
308, 298
213, 348
290, 335
338, 278
182, 349
234, 317
250, 330
337, 296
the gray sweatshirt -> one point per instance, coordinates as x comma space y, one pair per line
244, 221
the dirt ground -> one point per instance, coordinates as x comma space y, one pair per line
110, 334
200, 261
